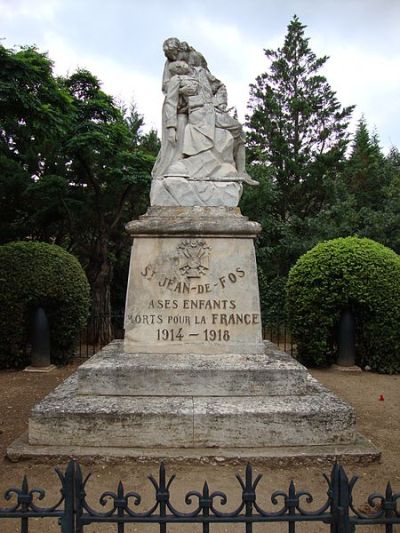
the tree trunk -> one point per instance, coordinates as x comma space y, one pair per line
99, 272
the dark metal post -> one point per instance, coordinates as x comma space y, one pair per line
340, 496
249, 496
205, 503
347, 340
162, 496
40, 340
79, 497
67, 521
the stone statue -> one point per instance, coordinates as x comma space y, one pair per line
202, 156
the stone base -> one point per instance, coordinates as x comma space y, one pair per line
168, 402
236, 406
113, 372
65, 418
40, 370
360, 451
193, 285
353, 368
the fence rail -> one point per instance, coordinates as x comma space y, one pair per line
204, 507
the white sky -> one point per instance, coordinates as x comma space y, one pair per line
120, 41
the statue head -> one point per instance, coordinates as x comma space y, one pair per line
179, 67
188, 84
171, 48
196, 59
184, 50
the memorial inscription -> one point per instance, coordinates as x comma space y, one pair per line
191, 293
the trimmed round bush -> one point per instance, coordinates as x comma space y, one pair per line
347, 273
34, 274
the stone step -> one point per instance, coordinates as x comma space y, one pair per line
359, 451
114, 373
65, 418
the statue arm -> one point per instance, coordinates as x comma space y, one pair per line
165, 78
171, 104
219, 92
221, 98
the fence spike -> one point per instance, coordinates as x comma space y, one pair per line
77, 513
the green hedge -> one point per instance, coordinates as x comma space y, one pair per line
38, 274
347, 273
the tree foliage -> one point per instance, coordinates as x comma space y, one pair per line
296, 125
35, 114
37, 274
365, 171
369, 204
340, 274
109, 173
74, 166
297, 138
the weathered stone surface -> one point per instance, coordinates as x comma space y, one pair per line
66, 418
63, 418
114, 372
200, 139
184, 192
192, 294
40, 370
198, 221
316, 418
360, 451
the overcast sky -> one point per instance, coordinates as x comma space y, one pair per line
120, 41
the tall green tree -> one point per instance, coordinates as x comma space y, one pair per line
35, 115
298, 133
371, 181
296, 125
365, 171
391, 211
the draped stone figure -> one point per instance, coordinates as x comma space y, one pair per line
202, 156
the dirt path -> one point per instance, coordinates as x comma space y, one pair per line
377, 420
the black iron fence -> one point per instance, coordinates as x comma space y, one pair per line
339, 512
92, 341
279, 333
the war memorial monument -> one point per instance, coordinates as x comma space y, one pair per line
193, 377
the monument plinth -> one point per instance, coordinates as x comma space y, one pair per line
193, 286
193, 376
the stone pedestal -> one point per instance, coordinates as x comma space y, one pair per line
193, 376
128, 400
193, 284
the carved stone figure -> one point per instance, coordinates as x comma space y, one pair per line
202, 156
